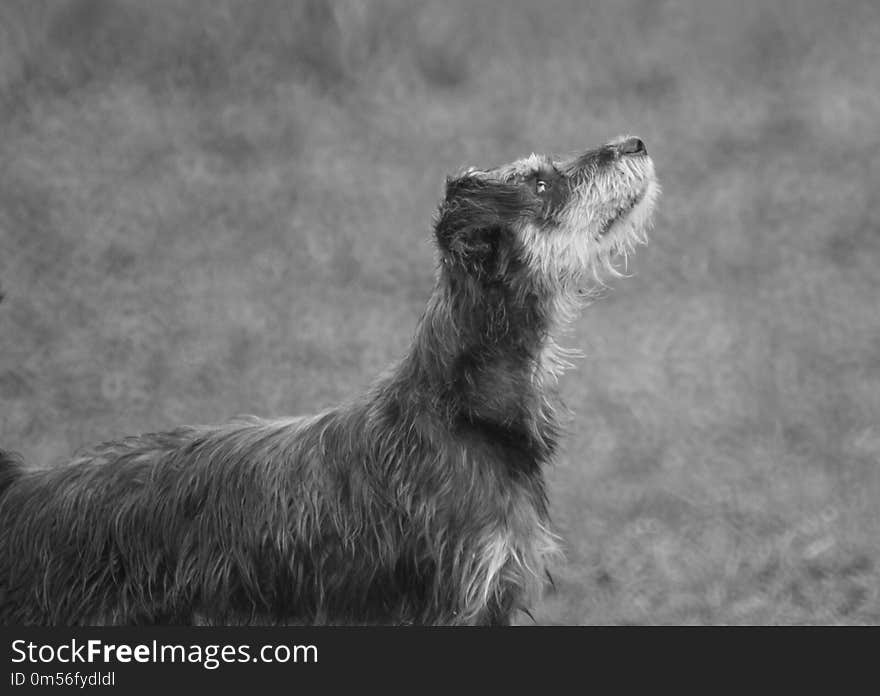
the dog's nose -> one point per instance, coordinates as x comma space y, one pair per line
632, 146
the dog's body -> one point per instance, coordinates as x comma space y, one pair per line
423, 501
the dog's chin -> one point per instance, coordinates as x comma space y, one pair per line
631, 219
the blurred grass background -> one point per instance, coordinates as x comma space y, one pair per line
214, 208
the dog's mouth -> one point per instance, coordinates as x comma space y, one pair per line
624, 208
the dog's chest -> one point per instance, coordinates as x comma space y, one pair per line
507, 555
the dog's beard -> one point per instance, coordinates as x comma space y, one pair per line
608, 215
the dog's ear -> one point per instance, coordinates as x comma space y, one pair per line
476, 212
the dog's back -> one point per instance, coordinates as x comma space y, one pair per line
10, 469
145, 530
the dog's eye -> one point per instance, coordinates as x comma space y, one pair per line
541, 186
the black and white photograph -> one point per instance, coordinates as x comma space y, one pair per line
417, 313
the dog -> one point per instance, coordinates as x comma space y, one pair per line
422, 501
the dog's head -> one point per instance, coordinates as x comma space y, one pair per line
562, 219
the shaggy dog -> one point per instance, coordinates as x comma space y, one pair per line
421, 502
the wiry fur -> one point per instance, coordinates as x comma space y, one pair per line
422, 501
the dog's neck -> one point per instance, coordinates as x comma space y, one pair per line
484, 357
